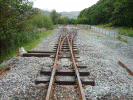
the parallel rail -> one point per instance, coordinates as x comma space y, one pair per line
70, 42
74, 75
82, 95
49, 91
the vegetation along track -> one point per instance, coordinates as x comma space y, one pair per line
71, 76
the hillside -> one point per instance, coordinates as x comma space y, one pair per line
113, 12
73, 14
45, 12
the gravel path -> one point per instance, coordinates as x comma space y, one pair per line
101, 54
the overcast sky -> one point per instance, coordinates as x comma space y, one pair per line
64, 5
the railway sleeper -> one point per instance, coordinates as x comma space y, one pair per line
69, 80
49, 52
81, 66
65, 48
62, 72
87, 81
74, 51
65, 80
42, 79
66, 44
65, 56
37, 54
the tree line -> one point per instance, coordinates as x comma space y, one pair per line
19, 23
110, 12
57, 19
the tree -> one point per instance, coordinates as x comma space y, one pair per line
41, 21
55, 16
82, 21
15, 27
72, 21
114, 12
64, 20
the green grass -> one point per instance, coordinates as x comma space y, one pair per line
123, 30
27, 46
1, 67
126, 31
34, 43
120, 39
74, 25
99, 36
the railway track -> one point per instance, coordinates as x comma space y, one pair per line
72, 75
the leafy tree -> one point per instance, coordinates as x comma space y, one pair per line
55, 16
64, 20
72, 21
41, 20
116, 12
16, 24
82, 21
123, 13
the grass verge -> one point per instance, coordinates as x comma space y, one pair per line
1, 67
74, 25
123, 30
27, 46
120, 39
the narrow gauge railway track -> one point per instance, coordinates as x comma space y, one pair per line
77, 75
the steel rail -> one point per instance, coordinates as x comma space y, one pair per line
49, 91
64, 40
81, 92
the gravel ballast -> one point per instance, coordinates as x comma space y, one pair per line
99, 52
18, 84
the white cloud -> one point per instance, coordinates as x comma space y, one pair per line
61, 5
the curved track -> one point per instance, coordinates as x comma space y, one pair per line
58, 74
69, 39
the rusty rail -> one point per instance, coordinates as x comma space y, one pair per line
64, 40
49, 91
128, 70
82, 95
70, 42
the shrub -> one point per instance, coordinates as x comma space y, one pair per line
41, 20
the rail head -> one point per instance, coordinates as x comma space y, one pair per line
81, 91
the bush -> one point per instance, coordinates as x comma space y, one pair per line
41, 20
19, 22
72, 21
82, 21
